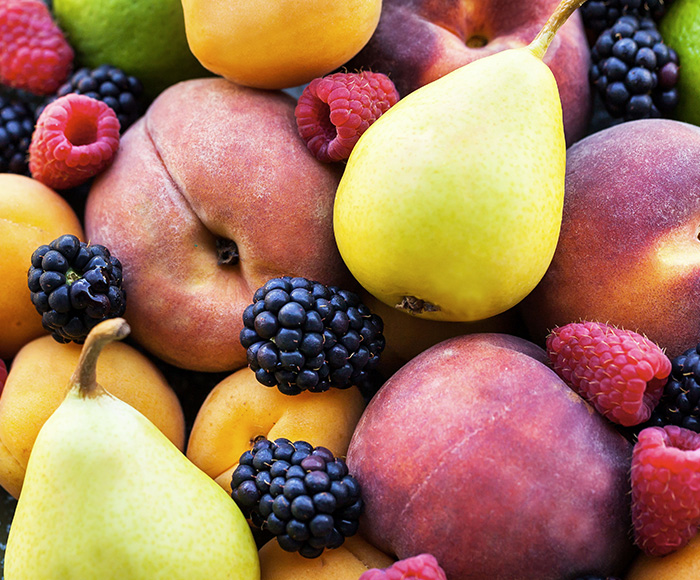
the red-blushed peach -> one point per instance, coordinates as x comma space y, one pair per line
36, 385
348, 562
211, 194
477, 453
419, 41
628, 252
31, 214
239, 409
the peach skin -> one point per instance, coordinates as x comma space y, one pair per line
239, 409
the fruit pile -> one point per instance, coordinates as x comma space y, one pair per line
356, 292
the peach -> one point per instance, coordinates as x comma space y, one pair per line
32, 215
683, 564
239, 409
347, 562
273, 45
420, 41
477, 453
212, 193
628, 251
36, 385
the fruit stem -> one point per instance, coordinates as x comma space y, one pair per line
541, 43
85, 376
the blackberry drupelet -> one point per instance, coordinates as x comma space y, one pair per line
17, 120
301, 335
634, 72
599, 15
301, 494
122, 92
74, 286
680, 402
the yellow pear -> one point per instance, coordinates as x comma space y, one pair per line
108, 496
451, 203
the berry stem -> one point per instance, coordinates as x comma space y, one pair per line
84, 378
541, 43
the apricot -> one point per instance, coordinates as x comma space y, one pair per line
274, 45
347, 562
683, 564
239, 409
31, 214
36, 385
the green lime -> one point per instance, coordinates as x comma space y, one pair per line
680, 28
144, 38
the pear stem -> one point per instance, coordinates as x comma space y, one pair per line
85, 376
541, 43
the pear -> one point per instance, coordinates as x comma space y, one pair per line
108, 496
451, 203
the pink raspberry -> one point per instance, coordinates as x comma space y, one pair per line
334, 111
665, 478
34, 54
620, 372
75, 138
421, 567
3, 374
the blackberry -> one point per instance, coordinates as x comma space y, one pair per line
74, 286
301, 335
107, 83
680, 401
634, 72
17, 119
301, 494
598, 15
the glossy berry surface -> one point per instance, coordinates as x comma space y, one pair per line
74, 286
665, 479
302, 335
16, 128
301, 494
598, 15
620, 372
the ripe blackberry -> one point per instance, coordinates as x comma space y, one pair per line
598, 15
111, 85
301, 494
16, 127
74, 286
302, 335
680, 401
634, 72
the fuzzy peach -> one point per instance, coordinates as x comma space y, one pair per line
348, 562
211, 194
239, 409
278, 44
31, 214
36, 385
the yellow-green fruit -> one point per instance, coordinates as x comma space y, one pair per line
144, 38
680, 28
451, 202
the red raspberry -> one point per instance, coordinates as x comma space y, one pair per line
665, 477
34, 54
3, 374
333, 111
75, 138
621, 373
421, 567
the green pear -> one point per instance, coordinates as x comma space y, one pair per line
451, 203
108, 496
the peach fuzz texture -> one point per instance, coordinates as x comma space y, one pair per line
212, 160
628, 253
510, 475
31, 214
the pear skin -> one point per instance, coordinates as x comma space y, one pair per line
108, 496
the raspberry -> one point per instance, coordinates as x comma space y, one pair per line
3, 374
421, 567
75, 138
34, 54
665, 478
621, 373
333, 111
302, 495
